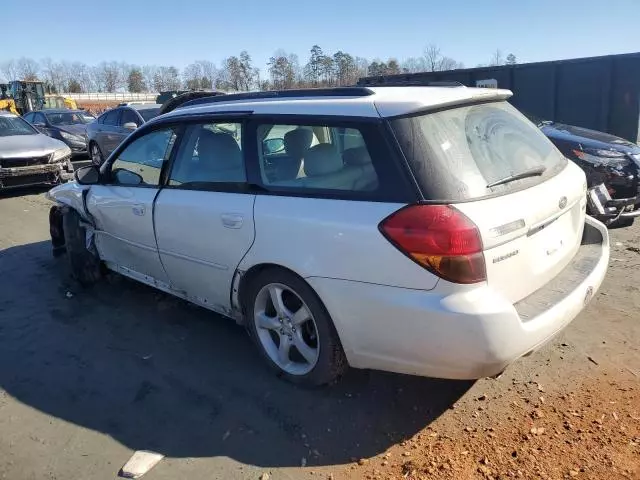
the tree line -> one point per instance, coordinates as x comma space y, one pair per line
235, 73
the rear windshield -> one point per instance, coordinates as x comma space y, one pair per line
458, 154
149, 113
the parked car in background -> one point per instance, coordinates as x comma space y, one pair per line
88, 116
70, 126
605, 159
28, 157
421, 230
113, 126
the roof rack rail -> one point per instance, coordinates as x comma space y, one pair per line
410, 83
270, 94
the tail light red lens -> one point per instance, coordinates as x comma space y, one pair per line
440, 238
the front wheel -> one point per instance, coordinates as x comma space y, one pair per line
96, 155
85, 266
292, 329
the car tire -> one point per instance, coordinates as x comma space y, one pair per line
95, 153
85, 267
317, 334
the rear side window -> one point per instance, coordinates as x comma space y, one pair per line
316, 157
149, 113
111, 118
474, 151
129, 116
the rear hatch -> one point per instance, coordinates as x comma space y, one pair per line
493, 165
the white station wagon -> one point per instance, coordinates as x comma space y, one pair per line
424, 230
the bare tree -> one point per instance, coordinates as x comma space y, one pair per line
209, 73
109, 75
414, 65
53, 74
496, 58
27, 69
192, 76
432, 57
9, 70
82, 73
149, 75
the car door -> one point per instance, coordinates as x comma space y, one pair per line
127, 116
109, 135
204, 216
122, 206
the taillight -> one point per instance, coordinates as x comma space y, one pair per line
440, 238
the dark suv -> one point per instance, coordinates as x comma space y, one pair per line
113, 126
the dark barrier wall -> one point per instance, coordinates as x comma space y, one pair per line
602, 93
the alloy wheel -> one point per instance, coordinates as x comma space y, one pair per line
286, 329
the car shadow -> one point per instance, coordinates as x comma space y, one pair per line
22, 191
154, 372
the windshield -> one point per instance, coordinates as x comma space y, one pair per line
66, 118
88, 118
149, 113
15, 126
465, 152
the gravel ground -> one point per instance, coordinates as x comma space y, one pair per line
89, 376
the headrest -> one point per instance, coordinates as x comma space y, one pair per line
221, 148
298, 141
357, 156
322, 159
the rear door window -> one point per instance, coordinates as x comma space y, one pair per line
129, 116
317, 157
475, 151
111, 118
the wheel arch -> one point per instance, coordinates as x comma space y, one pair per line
242, 278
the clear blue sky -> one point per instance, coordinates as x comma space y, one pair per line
179, 32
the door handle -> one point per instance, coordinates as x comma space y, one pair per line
232, 220
138, 210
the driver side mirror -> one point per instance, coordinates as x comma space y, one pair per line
273, 145
123, 176
89, 175
130, 125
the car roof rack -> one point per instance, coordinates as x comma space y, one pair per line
275, 94
179, 100
413, 83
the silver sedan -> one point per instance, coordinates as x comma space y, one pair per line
28, 157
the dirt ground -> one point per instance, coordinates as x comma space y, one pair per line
89, 376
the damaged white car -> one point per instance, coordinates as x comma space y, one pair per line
424, 230
28, 157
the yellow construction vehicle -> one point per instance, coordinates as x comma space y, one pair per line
58, 101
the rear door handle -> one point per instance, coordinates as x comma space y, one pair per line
232, 220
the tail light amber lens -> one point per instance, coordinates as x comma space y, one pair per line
440, 238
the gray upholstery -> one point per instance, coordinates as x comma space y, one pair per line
321, 160
297, 142
220, 158
325, 169
357, 156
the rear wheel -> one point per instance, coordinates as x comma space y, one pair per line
85, 266
292, 329
96, 154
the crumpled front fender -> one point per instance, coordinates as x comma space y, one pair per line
70, 195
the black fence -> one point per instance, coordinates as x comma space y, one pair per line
601, 93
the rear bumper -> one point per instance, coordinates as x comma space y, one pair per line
459, 332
